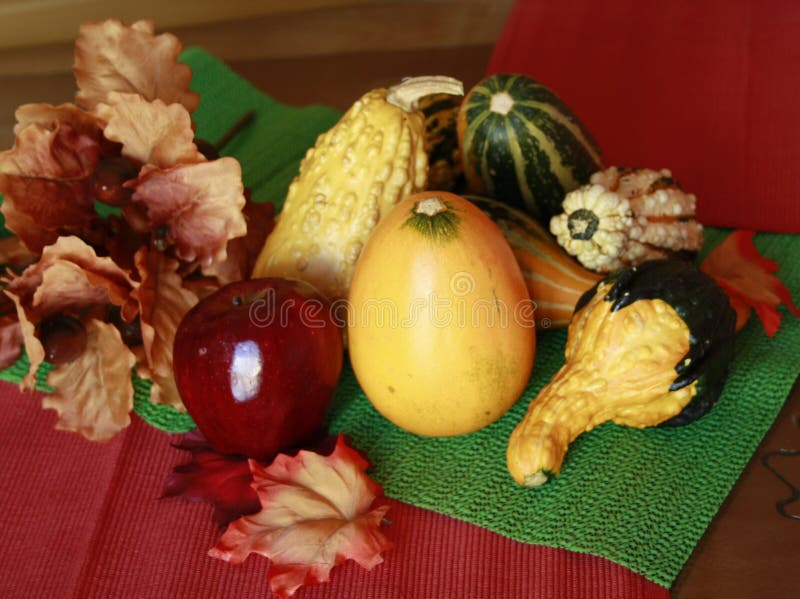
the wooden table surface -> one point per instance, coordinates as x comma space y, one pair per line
749, 550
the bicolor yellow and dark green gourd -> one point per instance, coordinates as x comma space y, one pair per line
647, 346
521, 144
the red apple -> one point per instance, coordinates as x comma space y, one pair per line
256, 364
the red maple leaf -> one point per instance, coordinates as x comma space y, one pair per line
315, 514
747, 277
221, 480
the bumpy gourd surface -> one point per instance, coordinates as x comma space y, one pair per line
619, 367
351, 178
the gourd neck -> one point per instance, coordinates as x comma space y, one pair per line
407, 94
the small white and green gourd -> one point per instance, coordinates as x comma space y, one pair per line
626, 216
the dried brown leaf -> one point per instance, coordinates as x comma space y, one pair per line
33, 347
10, 340
46, 181
14, 254
163, 390
110, 56
162, 302
200, 204
69, 277
242, 252
32, 236
151, 132
93, 394
51, 117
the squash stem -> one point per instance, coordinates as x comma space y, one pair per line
430, 206
407, 93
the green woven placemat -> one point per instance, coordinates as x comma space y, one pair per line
640, 498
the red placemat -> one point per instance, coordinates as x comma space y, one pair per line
705, 88
82, 519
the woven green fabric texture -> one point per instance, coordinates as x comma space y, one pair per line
642, 498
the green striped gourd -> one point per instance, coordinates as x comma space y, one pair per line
522, 145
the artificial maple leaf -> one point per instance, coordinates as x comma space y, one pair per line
221, 480
200, 204
93, 394
52, 117
110, 56
747, 277
46, 178
10, 340
30, 234
14, 254
315, 514
122, 242
163, 301
151, 132
242, 252
163, 389
68, 277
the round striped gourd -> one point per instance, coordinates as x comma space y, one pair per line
522, 145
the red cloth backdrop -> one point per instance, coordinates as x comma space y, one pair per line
707, 88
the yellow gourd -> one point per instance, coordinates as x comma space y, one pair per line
354, 175
440, 325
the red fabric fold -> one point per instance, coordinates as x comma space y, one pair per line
705, 88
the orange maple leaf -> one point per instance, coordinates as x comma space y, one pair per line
68, 277
200, 204
10, 340
747, 278
151, 132
93, 394
46, 177
110, 56
163, 301
315, 514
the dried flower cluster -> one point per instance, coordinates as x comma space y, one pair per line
121, 224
